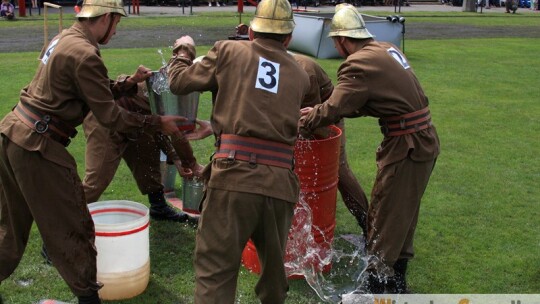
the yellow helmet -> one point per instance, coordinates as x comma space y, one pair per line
273, 16
95, 8
348, 22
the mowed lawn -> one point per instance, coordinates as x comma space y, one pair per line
478, 230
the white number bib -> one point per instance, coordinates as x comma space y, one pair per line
399, 57
267, 76
49, 51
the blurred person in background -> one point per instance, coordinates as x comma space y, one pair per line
7, 10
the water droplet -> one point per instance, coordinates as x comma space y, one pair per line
25, 283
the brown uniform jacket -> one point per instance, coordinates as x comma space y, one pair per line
70, 81
378, 81
321, 86
245, 105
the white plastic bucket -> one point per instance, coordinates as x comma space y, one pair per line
122, 243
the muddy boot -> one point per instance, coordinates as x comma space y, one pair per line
45, 255
371, 284
397, 283
161, 211
92, 299
400, 270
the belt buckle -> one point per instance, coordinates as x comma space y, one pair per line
402, 123
231, 157
41, 126
252, 160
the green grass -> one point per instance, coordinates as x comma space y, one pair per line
478, 230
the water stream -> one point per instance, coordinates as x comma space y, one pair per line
160, 83
331, 265
332, 268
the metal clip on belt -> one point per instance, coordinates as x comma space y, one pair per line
255, 151
45, 124
406, 123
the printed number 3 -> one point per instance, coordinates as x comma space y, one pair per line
267, 75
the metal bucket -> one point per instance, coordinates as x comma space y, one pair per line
192, 193
163, 102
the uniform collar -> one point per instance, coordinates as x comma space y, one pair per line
265, 42
83, 29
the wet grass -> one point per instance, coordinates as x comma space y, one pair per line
478, 230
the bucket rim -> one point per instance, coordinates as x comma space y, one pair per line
335, 133
135, 225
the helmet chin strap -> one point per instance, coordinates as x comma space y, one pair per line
102, 40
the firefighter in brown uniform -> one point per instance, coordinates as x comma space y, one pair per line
140, 151
251, 186
38, 176
351, 192
376, 80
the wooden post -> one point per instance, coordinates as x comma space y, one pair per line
46, 25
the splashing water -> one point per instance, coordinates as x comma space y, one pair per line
163, 62
25, 282
333, 267
159, 79
159, 82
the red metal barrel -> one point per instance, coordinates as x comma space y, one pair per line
316, 164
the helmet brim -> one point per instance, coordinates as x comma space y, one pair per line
89, 11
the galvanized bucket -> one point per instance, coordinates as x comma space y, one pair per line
192, 194
163, 102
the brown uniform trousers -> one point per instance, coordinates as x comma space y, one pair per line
68, 230
351, 192
106, 148
226, 221
245, 201
104, 151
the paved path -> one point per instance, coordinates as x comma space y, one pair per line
169, 10
21, 39
179, 11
